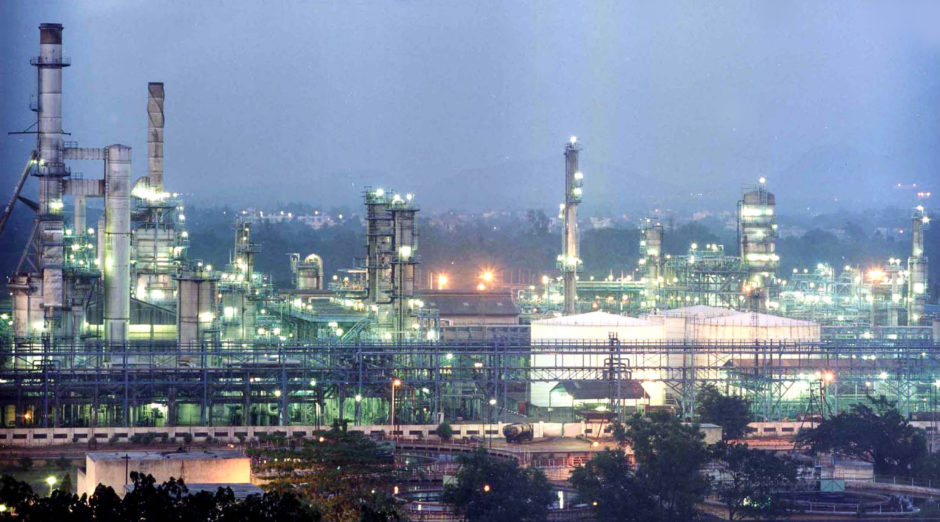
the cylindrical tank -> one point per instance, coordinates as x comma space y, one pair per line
117, 255
196, 307
518, 432
310, 273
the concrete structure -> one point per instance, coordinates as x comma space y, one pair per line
112, 468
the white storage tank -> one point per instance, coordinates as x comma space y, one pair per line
549, 337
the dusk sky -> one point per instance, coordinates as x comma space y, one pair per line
469, 104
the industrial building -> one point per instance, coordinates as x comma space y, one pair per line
113, 324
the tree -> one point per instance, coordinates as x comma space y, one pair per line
731, 413
878, 434
495, 489
150, 501
609, 485
444, 431
751, 481
345, 474
670, 457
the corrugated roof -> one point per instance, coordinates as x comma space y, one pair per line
594, 319
585, 390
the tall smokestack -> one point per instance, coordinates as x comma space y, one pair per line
117, 230
570, 259
155, 135
51, 168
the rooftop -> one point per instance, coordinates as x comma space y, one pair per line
98, 456
594, 319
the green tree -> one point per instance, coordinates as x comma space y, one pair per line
731, 413
609, 485
495, 489
875, 433
445, 431
750, 481
670, 456
345, 474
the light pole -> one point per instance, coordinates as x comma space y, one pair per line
492, 405
395, 384
51, 481
358, 403
316, 405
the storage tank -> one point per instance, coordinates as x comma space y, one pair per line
197, 307
597, 328
308, 273
519, 432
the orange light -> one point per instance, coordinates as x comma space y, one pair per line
481, 287
441, 281
487, 276
829, 376
876, 274
486, 488
396, 383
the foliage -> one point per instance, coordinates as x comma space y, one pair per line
750, 481
498, 490
670, 456
170, 501
346, 475
444, 431
875, 433
608, 483
731, 413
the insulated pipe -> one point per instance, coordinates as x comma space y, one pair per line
116, 262
155, 135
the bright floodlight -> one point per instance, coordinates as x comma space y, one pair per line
492, 402
396, 383
762, 180
487, 276
573, 140
50, 480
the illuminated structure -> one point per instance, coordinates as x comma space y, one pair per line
757, 230
569, 260
114, 325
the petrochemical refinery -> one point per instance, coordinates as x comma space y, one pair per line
112, 323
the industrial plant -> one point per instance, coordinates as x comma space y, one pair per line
113, 323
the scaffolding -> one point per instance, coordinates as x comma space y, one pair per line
47, 383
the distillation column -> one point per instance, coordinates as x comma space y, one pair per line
757, 232
51, 169
155, 135
117, 243
569, 259
917, 268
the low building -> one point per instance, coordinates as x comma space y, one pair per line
591, 394
202, 469
475, 315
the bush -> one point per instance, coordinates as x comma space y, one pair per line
444, 431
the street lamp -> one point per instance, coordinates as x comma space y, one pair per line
51, 481
358, 403
395, 384
489, 417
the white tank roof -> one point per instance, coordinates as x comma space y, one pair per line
755, 319
696, 312
594, 319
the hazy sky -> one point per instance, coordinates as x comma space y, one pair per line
468, 104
